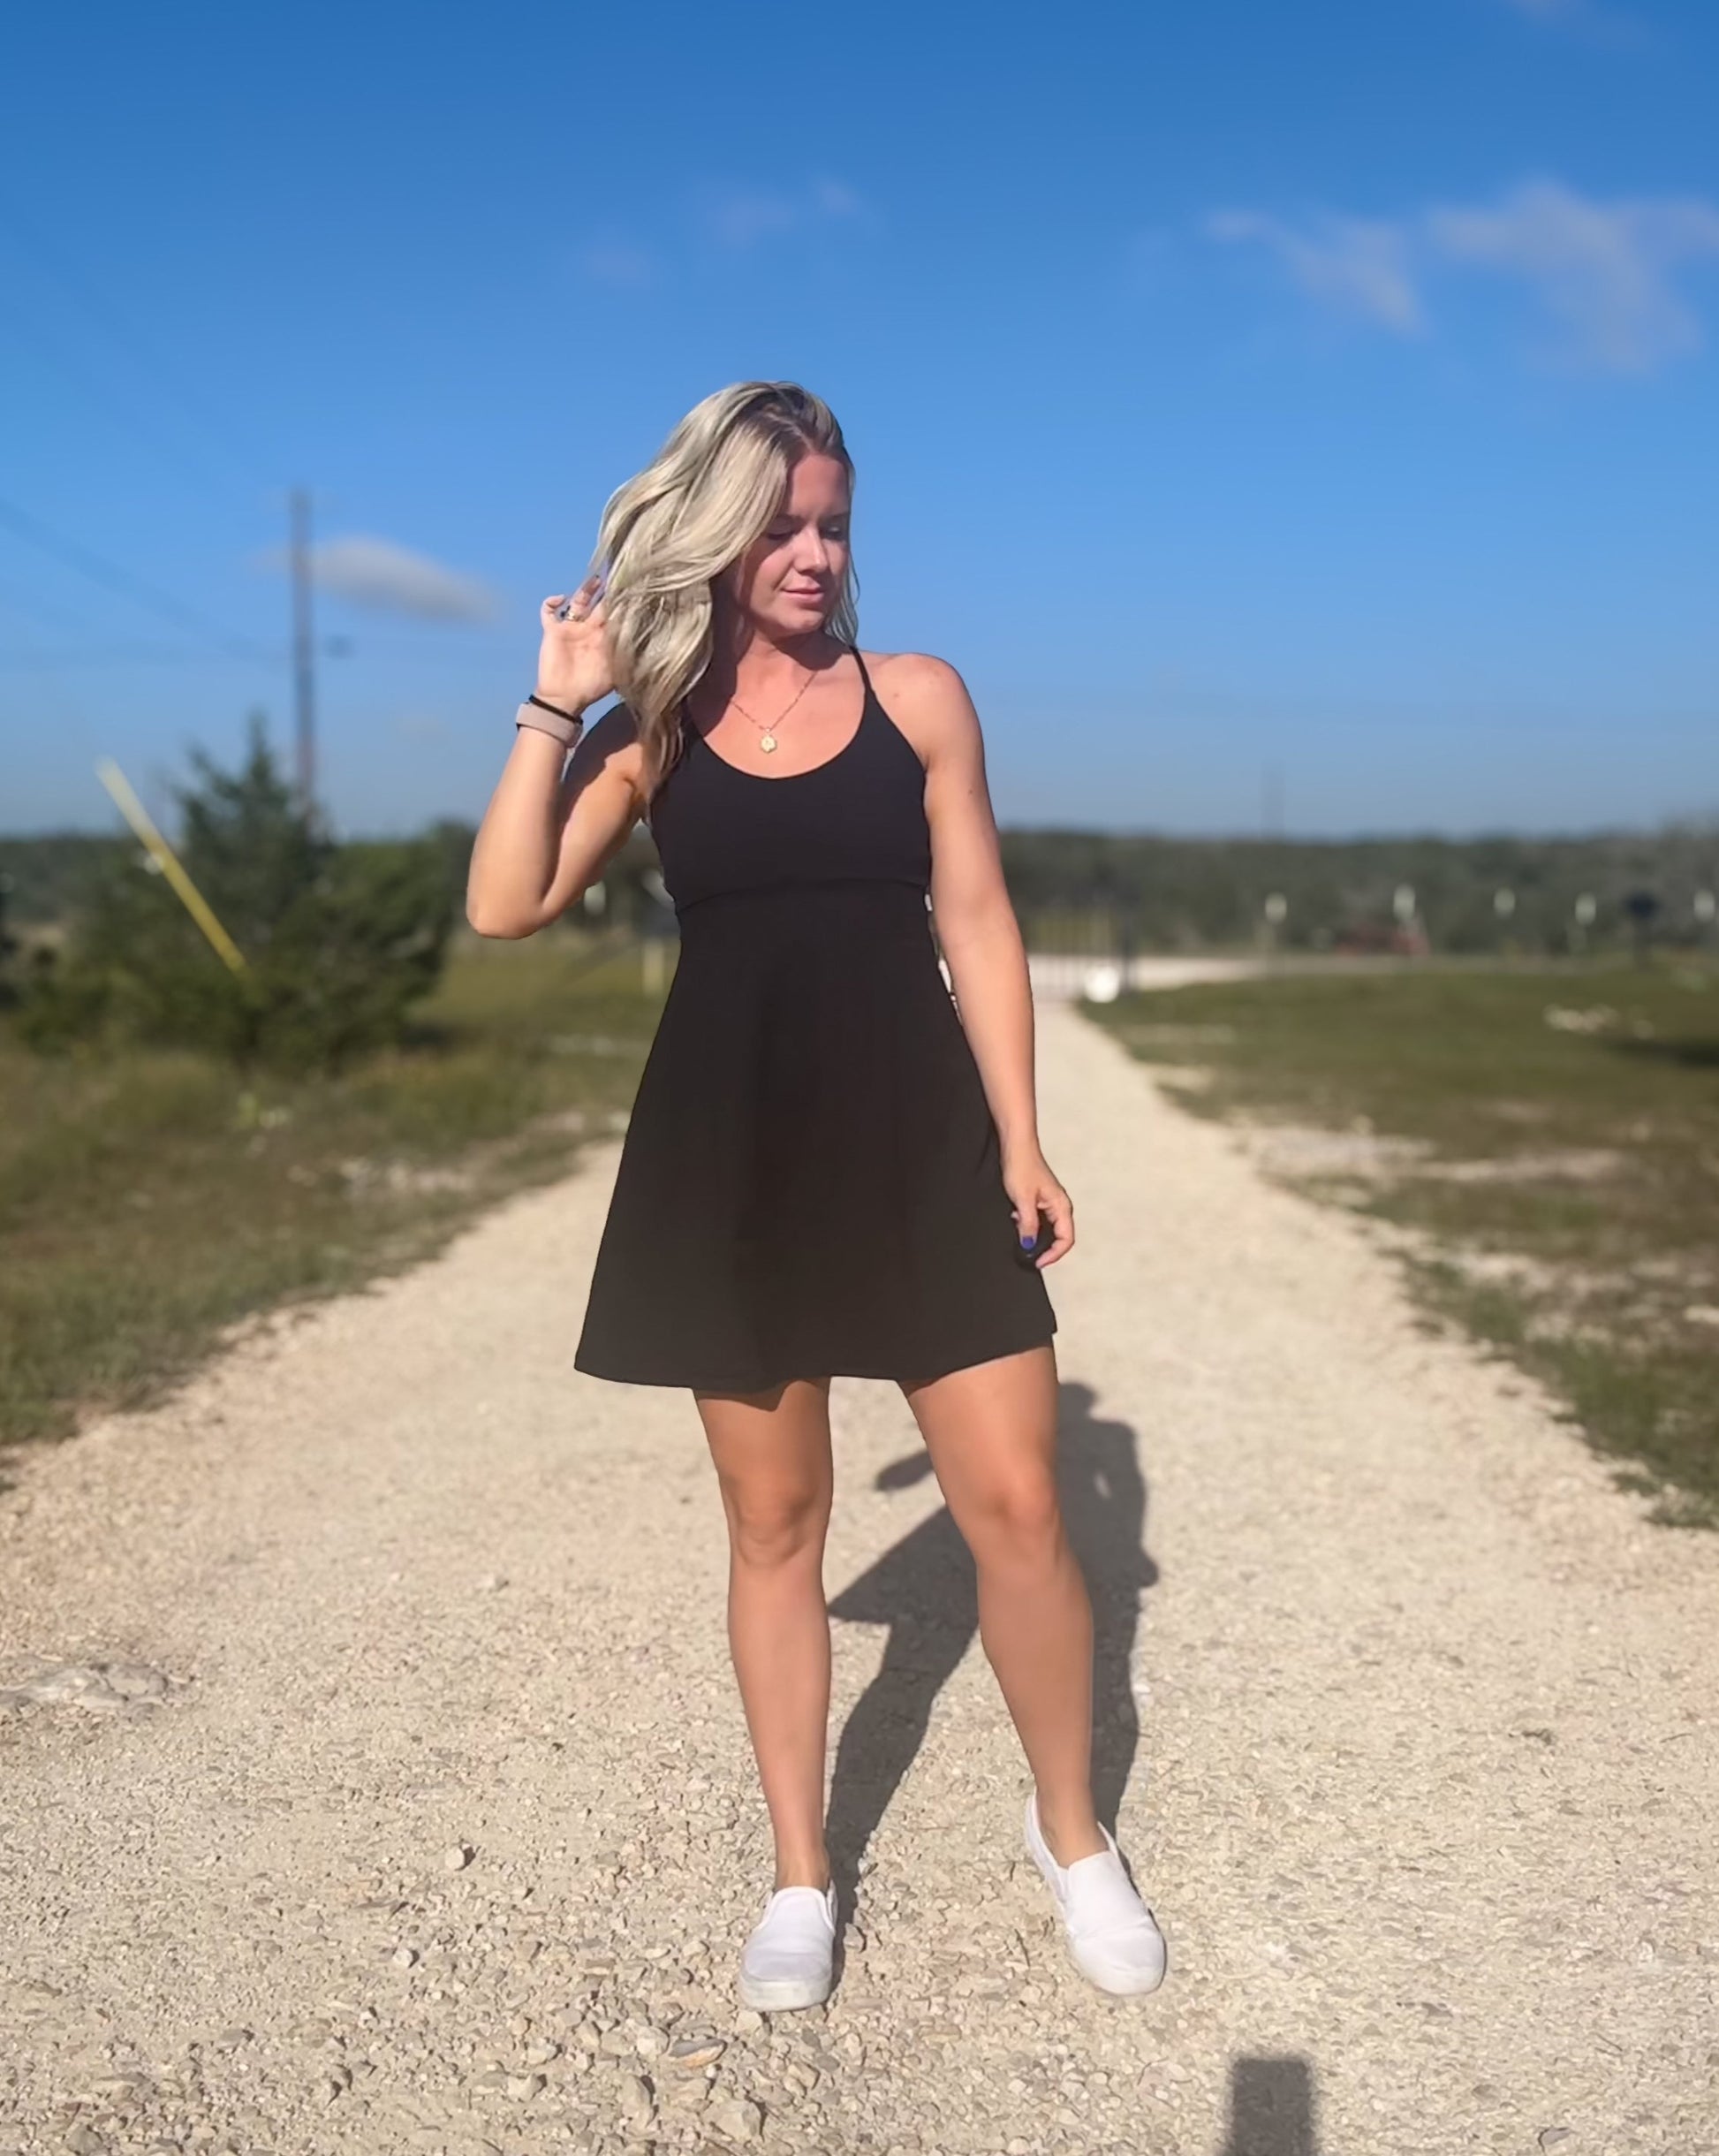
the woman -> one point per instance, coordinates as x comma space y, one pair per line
829, 1170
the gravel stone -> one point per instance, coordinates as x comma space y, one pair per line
691, 2052
635, 2103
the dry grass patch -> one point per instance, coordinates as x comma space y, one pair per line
1543, 1140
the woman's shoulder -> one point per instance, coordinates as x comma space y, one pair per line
926, 698
611, 742
614, 733
918, 675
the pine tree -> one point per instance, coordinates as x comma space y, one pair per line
339, 940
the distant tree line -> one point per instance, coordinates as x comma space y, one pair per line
1456, 895
1158, 894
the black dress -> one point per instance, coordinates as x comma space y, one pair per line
810, 1183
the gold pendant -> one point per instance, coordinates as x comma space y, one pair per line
766, 741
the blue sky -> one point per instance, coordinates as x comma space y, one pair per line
1309, 404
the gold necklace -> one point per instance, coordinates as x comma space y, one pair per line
767, 740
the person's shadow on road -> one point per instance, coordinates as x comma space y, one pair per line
925, 1589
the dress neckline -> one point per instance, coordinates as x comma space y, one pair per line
811, 771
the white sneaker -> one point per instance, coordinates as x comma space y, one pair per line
1112, 1937
788, 1961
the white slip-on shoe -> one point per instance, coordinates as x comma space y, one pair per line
789, 1959
1112, 1937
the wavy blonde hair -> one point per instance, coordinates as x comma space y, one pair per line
708, 493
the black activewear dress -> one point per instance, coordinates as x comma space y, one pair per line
810, 1183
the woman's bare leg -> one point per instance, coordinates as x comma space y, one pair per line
772, 1455
991, 1432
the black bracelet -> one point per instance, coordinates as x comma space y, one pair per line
556, 708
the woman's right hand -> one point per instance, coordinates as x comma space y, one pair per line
573, 669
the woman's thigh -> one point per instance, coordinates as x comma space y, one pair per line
771, 1452
991, 1433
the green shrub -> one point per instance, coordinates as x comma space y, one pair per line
339, 940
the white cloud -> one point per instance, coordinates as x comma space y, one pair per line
837, 199
741, 216
1603, 272
737, 217
1593, 20
389, 579
732, 218
618, 262
1359, 265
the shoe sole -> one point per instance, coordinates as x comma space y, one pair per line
1131, 1989
782, 1994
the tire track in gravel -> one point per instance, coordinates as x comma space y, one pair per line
441, 1835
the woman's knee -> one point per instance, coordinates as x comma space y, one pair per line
772, 1522
1015, 1520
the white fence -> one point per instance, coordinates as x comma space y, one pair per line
1059, 976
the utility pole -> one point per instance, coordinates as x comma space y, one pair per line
304, 652
1271, 803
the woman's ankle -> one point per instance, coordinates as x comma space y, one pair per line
807, 1868
1072, 1833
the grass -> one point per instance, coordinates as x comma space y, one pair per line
1548, 1137
151, 1200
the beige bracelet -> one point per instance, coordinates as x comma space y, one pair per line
564, 726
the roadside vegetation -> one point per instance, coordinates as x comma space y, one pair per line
150, 1196
184, 1142
1544, 1138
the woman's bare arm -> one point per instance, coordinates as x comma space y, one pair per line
547, 835
977, 928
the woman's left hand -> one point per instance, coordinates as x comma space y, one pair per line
1032, 1189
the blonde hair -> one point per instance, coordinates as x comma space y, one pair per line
708, 493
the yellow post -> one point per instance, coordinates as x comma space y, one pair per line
195, 904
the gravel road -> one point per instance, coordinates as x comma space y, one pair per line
374, 1777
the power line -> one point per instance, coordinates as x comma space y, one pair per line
105, 654
135, 420
112, 578
118, 336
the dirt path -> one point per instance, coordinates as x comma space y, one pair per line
442, 1835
